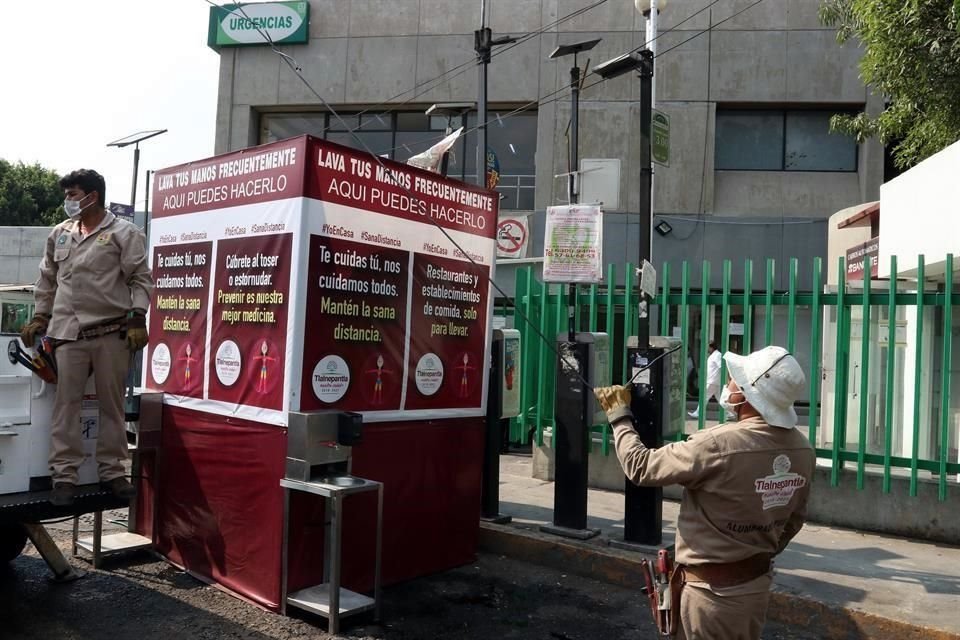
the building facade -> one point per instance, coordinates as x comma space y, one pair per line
754, 171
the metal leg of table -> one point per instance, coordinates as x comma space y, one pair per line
75, 536
97, 537
335, 526
376, 571
284, 550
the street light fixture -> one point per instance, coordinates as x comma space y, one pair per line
135, 139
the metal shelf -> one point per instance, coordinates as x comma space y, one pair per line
329, 599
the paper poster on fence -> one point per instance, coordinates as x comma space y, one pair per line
573, 242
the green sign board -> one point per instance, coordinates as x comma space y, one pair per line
660, 132
233, 25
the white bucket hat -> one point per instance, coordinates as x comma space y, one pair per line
771, 380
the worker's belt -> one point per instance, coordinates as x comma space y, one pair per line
729, 574
101, 330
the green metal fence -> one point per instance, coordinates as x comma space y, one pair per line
866, 328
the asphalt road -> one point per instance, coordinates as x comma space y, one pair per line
139, 597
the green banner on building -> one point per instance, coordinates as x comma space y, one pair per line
261, 23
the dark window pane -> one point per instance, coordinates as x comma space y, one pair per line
379, 142
749, 140
811, 146
349, 121
413, 121
278, 126
525, 199
410, 143
514, 140
375, 122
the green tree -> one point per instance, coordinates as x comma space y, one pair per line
912, 58
29, 195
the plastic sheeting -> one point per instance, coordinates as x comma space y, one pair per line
220, 504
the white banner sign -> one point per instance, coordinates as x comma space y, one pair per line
573, 244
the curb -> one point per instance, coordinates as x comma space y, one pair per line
596, 560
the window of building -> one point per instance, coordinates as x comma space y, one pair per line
400, 135
781, 140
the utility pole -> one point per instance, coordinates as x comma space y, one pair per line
483, 44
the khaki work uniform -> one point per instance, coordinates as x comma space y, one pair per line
89, 282
746, 486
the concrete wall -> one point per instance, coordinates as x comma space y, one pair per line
20, 251
364, 52
868, 509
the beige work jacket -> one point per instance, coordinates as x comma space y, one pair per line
88, 280
746, 486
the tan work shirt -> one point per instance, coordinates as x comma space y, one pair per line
746, 486
88, 280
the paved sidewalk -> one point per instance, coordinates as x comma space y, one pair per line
850, 584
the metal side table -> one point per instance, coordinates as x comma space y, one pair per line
329, 599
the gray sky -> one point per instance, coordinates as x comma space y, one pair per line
77, 74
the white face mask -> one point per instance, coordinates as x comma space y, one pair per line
724, 400
73, 208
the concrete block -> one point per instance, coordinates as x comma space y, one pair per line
549, 12
379, 18
745, 193
748, 66
329, 18
258, 77
242, 129
10, 270
544, 461
324, 65
449, 17
546, 152
770, 14
830, 71
28, 269
514, 75
33, 241
379, 68
10, 241
222, 130
681, 74
677, 12
818, 195
681, 187
438, 54
513, 15
610, 16
802, 14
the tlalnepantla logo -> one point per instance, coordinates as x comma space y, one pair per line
259, 24
778, 489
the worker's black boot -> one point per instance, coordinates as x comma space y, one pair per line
63, 494
120, 488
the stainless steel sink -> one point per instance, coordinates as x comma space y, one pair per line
341, 481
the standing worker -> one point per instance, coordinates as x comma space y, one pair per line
91, 299
746, 486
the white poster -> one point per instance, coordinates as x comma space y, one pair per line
573, 243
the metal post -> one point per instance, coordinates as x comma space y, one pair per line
146, 200
646, 183
572, 178
652, 28
490, 488
482, 38
136, 168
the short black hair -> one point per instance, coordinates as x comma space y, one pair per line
713, 344
88, 181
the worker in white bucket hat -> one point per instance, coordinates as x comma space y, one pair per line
746, 486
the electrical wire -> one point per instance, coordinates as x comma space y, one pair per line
297, 70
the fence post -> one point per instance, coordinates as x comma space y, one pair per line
891, 362
917, 378
945, 376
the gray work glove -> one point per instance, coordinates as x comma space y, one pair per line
36, 327
615, 401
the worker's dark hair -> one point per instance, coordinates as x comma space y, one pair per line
713, 344
88, 181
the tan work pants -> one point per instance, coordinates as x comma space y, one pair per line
110, 359
732, 613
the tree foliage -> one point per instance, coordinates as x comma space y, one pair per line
29, 195
912, 58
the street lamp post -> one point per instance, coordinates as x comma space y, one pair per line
135, 139
483, 43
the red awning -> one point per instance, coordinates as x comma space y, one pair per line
870, 210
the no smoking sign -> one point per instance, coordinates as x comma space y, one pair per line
511, 238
